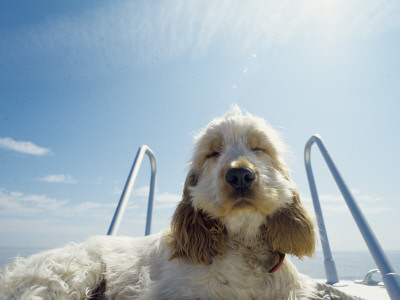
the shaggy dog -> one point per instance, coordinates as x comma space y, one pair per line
239, 216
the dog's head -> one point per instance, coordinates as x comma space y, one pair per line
238, 187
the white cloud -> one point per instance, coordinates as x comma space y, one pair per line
365, 198
19, 204
166, 200
161, 200
142, 191
331, 198
58, 178
31, 214
376, 210
335, 203
23, 147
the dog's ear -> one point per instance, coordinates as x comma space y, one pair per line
290, 230
195, 235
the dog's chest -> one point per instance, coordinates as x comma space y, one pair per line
234, 277
214, 282
243, 268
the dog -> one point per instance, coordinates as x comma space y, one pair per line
230, 236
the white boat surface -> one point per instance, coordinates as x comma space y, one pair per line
356, 290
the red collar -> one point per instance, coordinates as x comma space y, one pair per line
279, 264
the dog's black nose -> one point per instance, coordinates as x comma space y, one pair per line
240, 178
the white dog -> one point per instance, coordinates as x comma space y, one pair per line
240, 214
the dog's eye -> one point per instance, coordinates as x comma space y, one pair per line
257, 150
213, 154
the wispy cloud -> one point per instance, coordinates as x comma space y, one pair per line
161, 200
23, 147
167, 200
116, 34
33, 205
335, 203
17, 204
58, 178
20, 204
31, 214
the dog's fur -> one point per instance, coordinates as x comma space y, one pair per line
222, 243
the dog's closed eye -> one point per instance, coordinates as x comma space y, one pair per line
258, 150
213, 154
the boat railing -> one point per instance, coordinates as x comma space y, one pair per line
126, 193
389, 277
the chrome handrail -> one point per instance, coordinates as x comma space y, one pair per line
389, 276
126, 193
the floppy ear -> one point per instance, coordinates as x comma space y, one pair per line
194, 234
290, 230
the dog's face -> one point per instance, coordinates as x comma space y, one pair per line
239, 167
238, 186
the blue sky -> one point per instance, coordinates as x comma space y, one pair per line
84, 84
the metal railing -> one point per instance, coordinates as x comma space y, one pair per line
389, 276
126, 193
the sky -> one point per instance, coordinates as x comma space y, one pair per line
84, 83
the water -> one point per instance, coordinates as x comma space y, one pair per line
349, 265
8, 253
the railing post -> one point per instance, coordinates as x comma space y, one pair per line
126, 193
390, 278
151, 191
329, 263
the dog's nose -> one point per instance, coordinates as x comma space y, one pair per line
240, 178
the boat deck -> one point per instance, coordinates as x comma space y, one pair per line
367, 292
